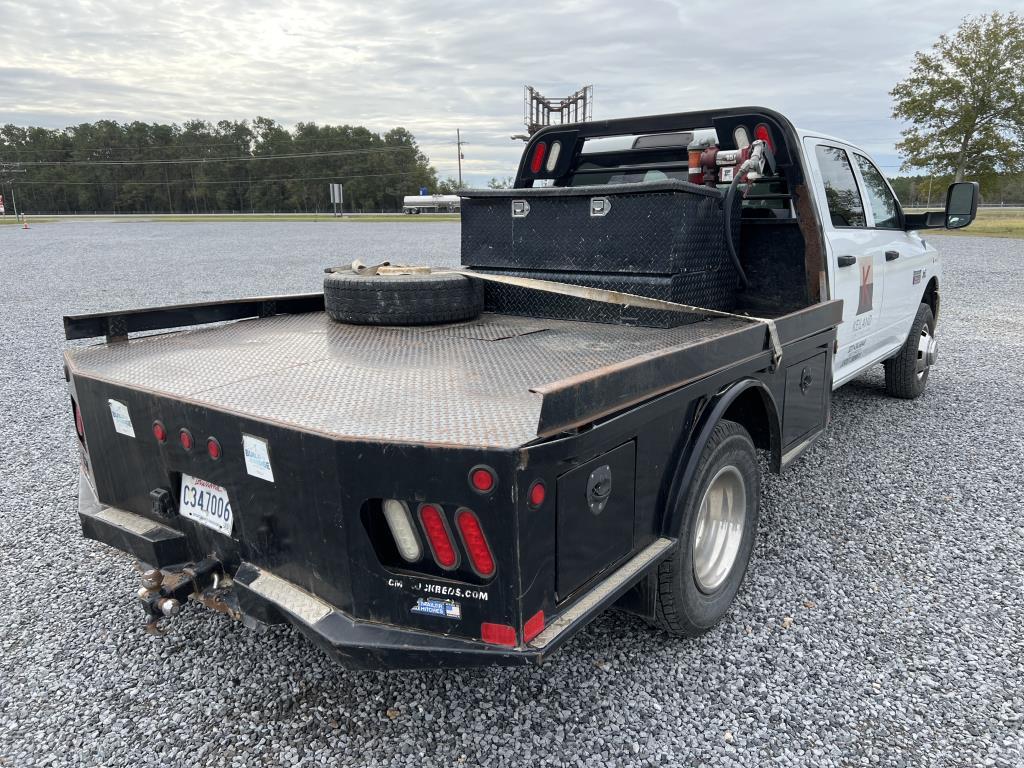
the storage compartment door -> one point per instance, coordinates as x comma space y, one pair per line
595, 518
806, 384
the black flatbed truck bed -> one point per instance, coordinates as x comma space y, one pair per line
408, 411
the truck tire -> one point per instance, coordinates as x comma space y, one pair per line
417, 299
697, 584
906, 374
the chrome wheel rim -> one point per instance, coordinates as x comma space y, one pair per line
927, 349
721, 518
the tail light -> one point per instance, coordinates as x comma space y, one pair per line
537, 493
402, 531
537, 161
186, 439
482, 478
761, 132
438, 537
475, 542
159, 432
556, 150
213, 448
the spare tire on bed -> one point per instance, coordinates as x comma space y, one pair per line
402, 299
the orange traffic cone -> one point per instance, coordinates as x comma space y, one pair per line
24, 222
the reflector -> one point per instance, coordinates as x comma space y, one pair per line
533, 626
159, 432
213, 447
498, 634
79, 424
400, 522
186, 439
475, 542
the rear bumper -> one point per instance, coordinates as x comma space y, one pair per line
264, 598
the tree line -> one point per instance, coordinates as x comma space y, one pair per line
203, 167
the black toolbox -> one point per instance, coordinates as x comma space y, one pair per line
663, 239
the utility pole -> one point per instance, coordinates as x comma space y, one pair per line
6, 169
458, 146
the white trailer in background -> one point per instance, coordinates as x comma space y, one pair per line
431, 204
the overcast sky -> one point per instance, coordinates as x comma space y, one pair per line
435, 66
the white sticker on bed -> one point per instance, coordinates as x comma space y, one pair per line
122, 419
257, 457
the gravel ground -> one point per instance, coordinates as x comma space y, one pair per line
881, 624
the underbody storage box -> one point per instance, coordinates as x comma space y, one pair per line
662, 239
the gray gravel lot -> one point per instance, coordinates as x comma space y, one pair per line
882, 623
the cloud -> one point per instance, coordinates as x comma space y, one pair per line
435, 66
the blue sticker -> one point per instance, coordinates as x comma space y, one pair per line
431, 606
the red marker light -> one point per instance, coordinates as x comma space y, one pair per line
537, 161
537, 493
186, 439
437, 535
498, 634
475, 542
482, 479
213, 447
79, 424
159, 432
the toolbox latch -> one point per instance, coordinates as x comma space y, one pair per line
599, 206
520, 209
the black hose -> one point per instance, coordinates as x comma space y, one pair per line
730, 196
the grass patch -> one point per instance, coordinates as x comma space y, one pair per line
991, 222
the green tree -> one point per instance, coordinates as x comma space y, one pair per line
964, 99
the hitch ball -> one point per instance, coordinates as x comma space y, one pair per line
169, 607
152, 579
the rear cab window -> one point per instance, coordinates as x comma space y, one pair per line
845, 207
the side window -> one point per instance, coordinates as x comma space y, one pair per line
880, 198
844, 203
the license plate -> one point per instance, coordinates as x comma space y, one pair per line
206, 503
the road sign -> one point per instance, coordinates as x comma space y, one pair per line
423, 191
336, 194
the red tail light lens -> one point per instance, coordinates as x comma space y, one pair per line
213, 447
186, 439
159, 432
475, 542
498, 634
761, 132
437, 534
79, 424
537, 161
538, 492
482, 479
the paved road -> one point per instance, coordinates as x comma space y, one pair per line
881, 625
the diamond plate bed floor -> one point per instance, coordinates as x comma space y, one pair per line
466, 384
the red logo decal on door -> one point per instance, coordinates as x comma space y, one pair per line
867, 284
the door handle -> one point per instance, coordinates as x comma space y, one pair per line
846, 261
892, 255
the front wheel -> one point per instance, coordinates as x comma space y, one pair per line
906, 374
697, 584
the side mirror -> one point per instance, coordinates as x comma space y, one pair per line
961, 209
961, 204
